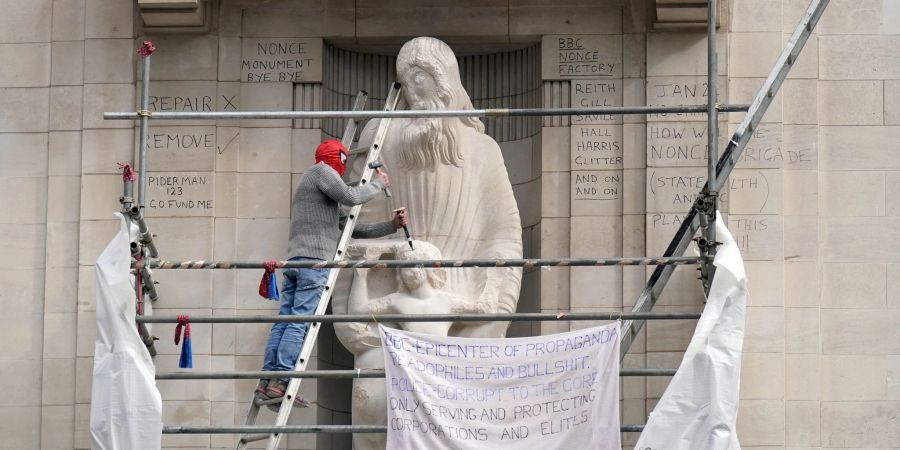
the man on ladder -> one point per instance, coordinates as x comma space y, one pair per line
316, 226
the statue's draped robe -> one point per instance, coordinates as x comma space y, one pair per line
467, 212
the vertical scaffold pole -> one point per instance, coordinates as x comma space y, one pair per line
145, 50
709, 199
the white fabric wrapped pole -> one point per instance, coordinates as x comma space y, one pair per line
126, 408
698, 410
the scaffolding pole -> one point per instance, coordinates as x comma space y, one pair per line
764, 97
710, 198
410, 114
342, 374
265, 431
429, 263
402, 318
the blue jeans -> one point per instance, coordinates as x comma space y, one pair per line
300, 294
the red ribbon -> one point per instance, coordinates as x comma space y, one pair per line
146, 49
183, 321
128, 173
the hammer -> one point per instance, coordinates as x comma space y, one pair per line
405, 229
377, 165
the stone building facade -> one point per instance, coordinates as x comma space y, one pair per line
809, 202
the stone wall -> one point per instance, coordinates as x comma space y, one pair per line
810, 201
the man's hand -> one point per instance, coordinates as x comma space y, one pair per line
400, 219
383, 176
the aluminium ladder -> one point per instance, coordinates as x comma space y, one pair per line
287, 402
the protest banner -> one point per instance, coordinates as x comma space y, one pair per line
549, 392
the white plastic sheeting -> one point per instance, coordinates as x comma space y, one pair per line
698, 411
126, 408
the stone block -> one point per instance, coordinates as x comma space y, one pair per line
802, 424
764, 332
635, 140
517, 158
24, 109
25, 331
23, 155
23, 291
68, 20
555, 194
853, 285
801, 329
60, 295
185, 413
761, 422
57, 427
555, 149
670, 335
101, 149
82, 435
798, 242
26, 22
800, 146
20, 425
188, 238
181, 194
62, 244
634, 92
109, 60
677, 54
264, 149
477, 22
11, 374
181, 96
755, 191
893, 287
23, 244
753, 54
851, 17
801, 192
851, 102
859, 57
229, 59
248, 244
671, 190
178, 389
108, 19
25, 202
634, 194
275, 96
892, 102
858, 148
186, 57
845, 423
100, 196
765, 148
765, 283
760, 376
852, 377
592, 236
27, 65
530, 20
183, 289
263, 195
226, 194
65, 107
744, 90
685, 144
799, 100
303, 148
93, 236
181, 148
597, 192
859, 239
661, 360
335, 19
635, 55
893, 377
801, 377
65, 147
58, 386
880, 336
755, 15
100, 98
581, 56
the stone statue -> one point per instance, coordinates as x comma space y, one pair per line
451, 177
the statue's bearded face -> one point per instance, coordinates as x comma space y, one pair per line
424, 142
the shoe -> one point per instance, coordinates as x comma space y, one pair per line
260, 393
276, 389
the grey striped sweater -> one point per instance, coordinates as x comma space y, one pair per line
316, 217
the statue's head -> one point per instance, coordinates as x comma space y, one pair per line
413, 277
429, 73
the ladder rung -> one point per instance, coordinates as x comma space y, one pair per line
271, 401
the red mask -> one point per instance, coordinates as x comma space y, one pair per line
333, 153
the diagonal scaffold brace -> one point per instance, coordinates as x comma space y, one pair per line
701, 210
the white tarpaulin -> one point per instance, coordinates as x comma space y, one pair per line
126, 408
698, 410
545, 392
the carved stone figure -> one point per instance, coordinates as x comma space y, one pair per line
451, 177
